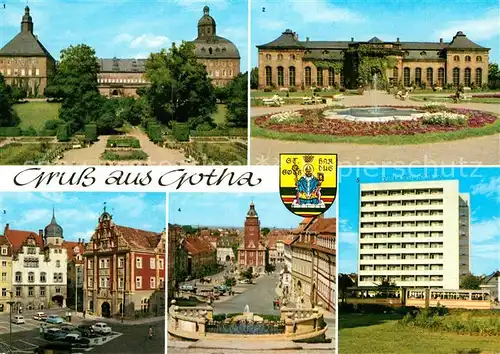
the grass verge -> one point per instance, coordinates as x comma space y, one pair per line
35, 114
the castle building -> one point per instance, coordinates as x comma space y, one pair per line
414, 234
39, 267
252, 252
289, 62
122, 77
74, 251
25, 62
5, 274
123, 265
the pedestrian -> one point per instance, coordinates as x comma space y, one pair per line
84, 312
150, 332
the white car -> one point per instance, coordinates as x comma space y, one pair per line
18, 320
102, 328
40, 316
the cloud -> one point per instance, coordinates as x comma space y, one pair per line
490, 188
480, 28
76, 214
149, 41
320, 11
487, 252
129, 205
485, 230
197, 5
35, 215
350, 238
85, 235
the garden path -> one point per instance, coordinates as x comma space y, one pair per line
85, 156
485, 150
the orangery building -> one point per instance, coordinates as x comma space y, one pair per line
288, 62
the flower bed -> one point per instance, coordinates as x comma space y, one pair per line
313, 122
494, 95
123, 142
124, 155
291, 117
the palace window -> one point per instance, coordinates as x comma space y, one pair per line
120, 283
19, 277
479, 77
42, 291
456, 76
291, 76
31, 277
268, 56
152, 263
395, 73
418, 76
4, 292
331, 76
406, 77
58, 290
292, 56
430, 76
43, 277
138, 262
160, 263
319, 77
4, 251
23, 72
308, 76
120, 262
138, 282
467, 58
31, 291
58, 264
280, 56
152, 282
269, 76
479, 58
18, 291
281, 76
4, 277
456, 58
441, 77
8, 72
467, 75
37, 72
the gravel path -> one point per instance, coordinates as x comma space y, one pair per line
472, 151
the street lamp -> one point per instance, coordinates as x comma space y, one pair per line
11, 302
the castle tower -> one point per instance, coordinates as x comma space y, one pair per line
53, 233
27, 21
206, 24
252, 228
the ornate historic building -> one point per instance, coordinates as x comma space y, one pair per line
123, 265
5, 274
252, 252
24, 61
38, 267
314, 262
74, 251
122, 77
289, 62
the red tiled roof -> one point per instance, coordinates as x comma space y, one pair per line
139, 239
197, 245
70, 249
324, 225
17, 238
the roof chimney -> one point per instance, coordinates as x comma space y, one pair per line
352, 39
441, 40
40, 233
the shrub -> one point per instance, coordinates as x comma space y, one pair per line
124, 155
292, 89
63, 132
47, 132
10, 131
342, 89
268, 89
91, 133
125, 142
155, 133
52, 124
30, 131
317, 89
180, 131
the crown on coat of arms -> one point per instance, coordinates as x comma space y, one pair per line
308, 158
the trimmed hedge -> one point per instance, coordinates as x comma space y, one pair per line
155, 133
126, 142
63, 132
124, 156
10, 131
180, 131
239, 132
91, 133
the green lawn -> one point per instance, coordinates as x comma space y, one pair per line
380, 333
220, 115
445, 99
258, 132
300, 94
19, 154
36, 113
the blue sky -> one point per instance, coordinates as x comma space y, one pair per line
230, 209
483, 185
77, 213
125, 29
423, 20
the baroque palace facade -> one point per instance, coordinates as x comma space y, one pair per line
289, 62
25, 62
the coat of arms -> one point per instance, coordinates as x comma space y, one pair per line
308, 183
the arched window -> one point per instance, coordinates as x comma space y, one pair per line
406, 77
319, 77
308, 76
269, 76
331, 76
479, 58
292, 56
395, 73
467, 78
280, 56
456, 76
268, 56
19, 277
210, 50
479, 77
291, 75
31, 277
430, 76
281, 76
467, 58
441, 77
456, 58
43, 277
418, 76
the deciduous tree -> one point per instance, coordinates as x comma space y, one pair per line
237, 103
8, 117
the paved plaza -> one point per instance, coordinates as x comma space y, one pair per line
486, 148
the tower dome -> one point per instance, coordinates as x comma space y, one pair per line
53, 229
206, 24
252, 213
27, 21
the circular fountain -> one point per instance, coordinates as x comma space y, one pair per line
373, 114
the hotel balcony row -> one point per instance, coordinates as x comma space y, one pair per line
396, 206
401, 192
396, 261
401, 272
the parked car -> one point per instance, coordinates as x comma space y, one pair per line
86, 331
54, 334
18, 319
40, 316
245, 281
54, 319
188, 287
101, 327
76, 340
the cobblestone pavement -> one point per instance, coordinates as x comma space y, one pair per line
486, 149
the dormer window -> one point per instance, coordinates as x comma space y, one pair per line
4, 251
223, 50
280, 56
479, 58
210, 51
292, 56
203, 50
456, 58
423, 53
268, 56
467, 58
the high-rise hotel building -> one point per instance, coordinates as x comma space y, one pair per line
414, 234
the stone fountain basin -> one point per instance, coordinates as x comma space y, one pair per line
370, 115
